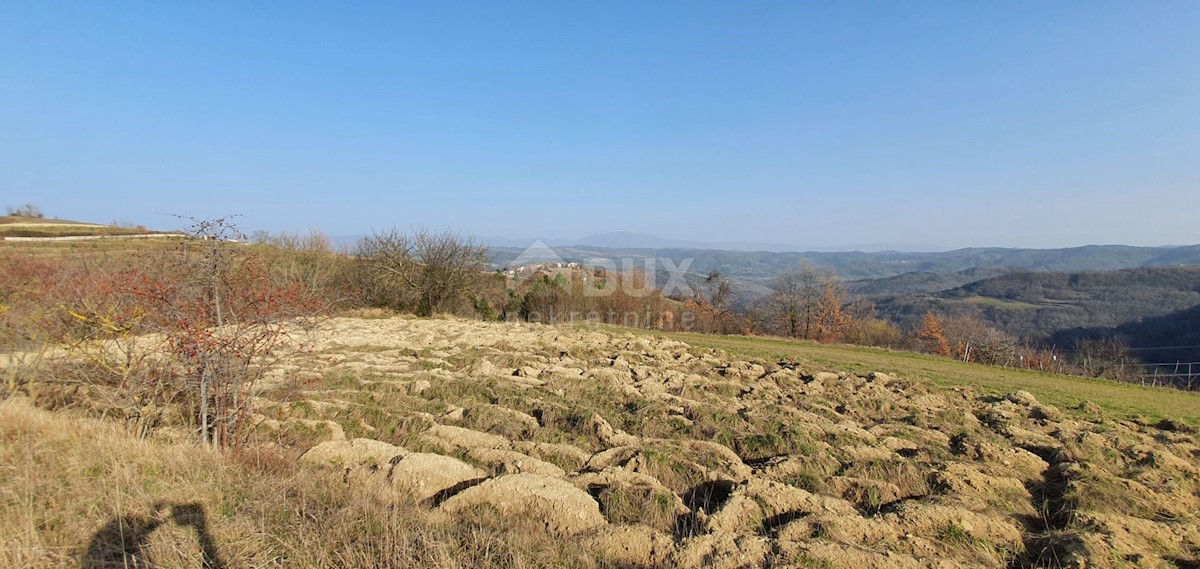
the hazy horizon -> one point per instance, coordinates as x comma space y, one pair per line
946, 125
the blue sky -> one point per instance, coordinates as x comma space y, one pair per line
1038, 124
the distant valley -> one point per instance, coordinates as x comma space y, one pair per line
761, 266
1147, 297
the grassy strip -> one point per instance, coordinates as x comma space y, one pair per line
1118, 399
68, 231
90, 247
25, 220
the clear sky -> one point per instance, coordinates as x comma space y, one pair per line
1038, 124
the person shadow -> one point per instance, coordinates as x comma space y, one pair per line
121, 543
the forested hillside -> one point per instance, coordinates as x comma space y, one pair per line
920, 282
1170, 339
1145, 307
760, 267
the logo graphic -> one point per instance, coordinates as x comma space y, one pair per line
634, 275
536, 254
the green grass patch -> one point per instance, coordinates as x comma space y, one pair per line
1066, 392
990, 302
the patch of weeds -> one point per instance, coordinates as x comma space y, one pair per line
805, 448
462, 392
406, 431
711, 420
759, 446
1098, 491
948, 420
1007, 499
908, 476
564, 461
386, 410
773, 438
842, 439
587, 398
804, 481
355, 430
341, 380
880, 407
495, 420
303, 410
370, 348
707, 457
679, 426
725, 389
569, 427
954, 534
296, 434
428, 364
986, 552
636, 505
810, 562
664, 501
724, 437
663, 426
675, 472
872, 499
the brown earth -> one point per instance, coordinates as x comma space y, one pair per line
652, 453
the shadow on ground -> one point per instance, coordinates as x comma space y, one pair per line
121, 543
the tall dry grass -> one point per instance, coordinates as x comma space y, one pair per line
65, 478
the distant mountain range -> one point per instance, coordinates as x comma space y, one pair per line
760, 267
632, 240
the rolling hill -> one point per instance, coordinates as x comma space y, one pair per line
1061, 307
24, 226
761, 266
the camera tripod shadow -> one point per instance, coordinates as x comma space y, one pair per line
121, 543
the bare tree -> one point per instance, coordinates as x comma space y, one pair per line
440, 268
720, 297
720, 289
1108, 357
972, 339
27, 210
795, 300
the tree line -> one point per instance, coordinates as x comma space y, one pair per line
182, 333
443, 272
